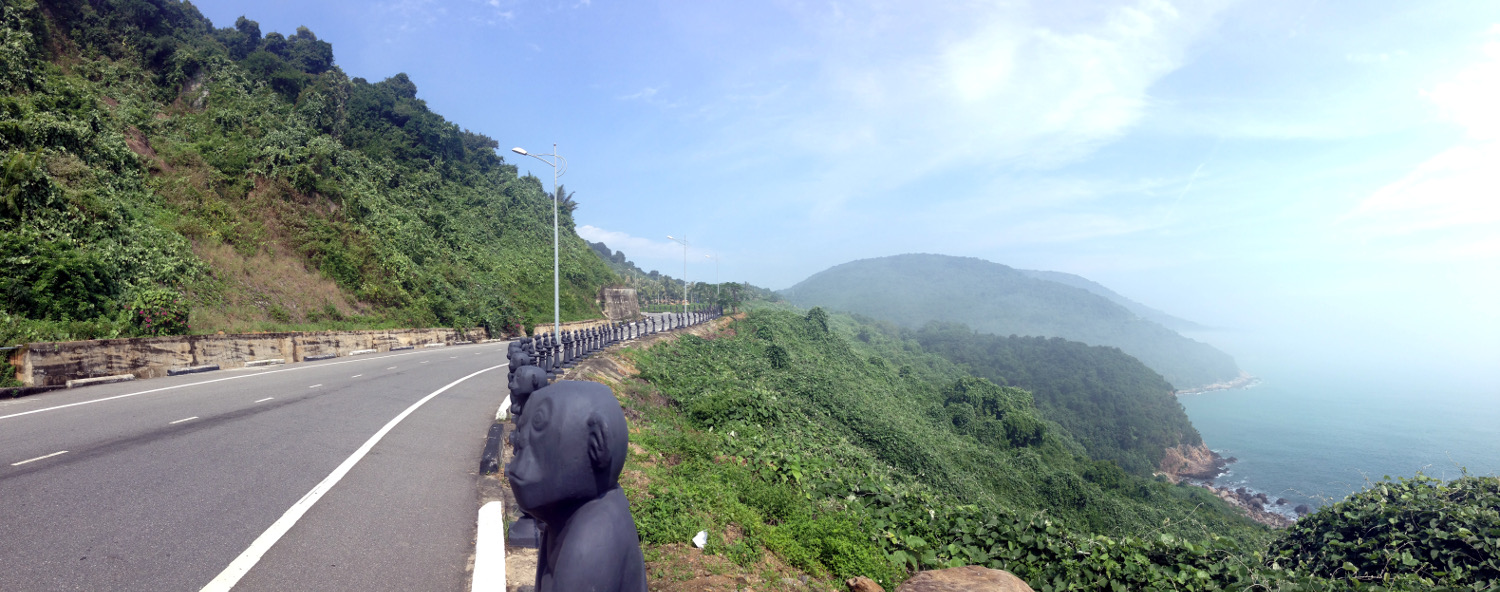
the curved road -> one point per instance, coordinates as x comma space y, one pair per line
357, 473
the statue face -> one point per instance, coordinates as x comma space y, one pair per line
570, 446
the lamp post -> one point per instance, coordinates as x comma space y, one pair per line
716, 276
683, 241
554, 163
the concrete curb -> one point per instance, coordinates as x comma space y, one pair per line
360, 352
489, 549
320, 357
460, 343
259, 363
192, 370
489, 462
434, 345
75, 383
403, 347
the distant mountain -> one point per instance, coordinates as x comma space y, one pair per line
913, 290
1140, 310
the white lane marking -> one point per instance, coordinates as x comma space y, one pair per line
489, 549
391, 368
356, 376
316, 385
453, 357
242, 564
183, 419
17, 464
265, 399
168, 388
424, 361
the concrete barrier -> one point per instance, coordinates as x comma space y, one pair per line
56, 363
77, 382
192, 370
259, 363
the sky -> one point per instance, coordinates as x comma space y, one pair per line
1316, 179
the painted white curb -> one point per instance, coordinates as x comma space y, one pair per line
435, 345
360, 352
489, 550
75, 383
259, 363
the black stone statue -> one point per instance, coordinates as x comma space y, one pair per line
570, 446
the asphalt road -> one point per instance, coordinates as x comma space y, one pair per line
174, 480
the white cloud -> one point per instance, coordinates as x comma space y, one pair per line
643, 94
903, 92
1457, 188
634, 247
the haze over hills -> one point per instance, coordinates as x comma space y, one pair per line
1171, 322
915, 289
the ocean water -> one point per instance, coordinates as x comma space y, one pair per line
1317, 444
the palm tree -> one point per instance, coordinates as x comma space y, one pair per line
565, 203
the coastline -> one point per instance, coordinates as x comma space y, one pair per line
1198, 466
1244, 380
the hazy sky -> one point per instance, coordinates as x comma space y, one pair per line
1320, 178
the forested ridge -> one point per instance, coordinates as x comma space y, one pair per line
163, 175
915, 289
1114, 405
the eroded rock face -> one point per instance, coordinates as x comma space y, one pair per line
48, 364
971, 578
620, 304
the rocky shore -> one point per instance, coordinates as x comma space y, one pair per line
1244, 380
1199, 466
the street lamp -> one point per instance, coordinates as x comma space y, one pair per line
716, 275
554, 163
683, 241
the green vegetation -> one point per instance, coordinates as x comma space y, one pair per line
841, 448
913, 290
147, 156
1115, 406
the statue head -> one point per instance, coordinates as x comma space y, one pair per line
570, 446
526, 380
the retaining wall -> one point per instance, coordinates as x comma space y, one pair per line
55, 363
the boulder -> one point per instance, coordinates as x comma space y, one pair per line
863, 584
971, 578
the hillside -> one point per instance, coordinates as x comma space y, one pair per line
830, 446
1140, 310
243, 182
1115, 406
913, 290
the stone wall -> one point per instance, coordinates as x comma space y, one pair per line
48, 364
620, 304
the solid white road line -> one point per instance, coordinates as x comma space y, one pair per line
356, 376
242, 564
391, 368
265, 399
489, 550
168, 388
316, 385
17, 464
183, 419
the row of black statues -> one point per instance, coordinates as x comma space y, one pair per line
570, 442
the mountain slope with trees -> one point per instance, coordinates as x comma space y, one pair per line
244, 182
913, 290
1067, 279
1119, 409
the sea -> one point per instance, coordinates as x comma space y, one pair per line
1316, 442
